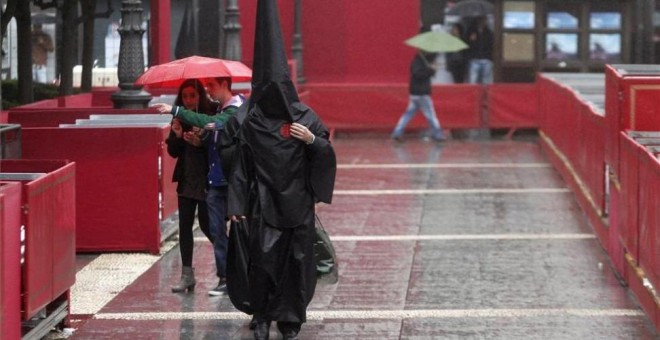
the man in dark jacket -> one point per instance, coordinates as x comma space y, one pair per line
480, 52
422, 69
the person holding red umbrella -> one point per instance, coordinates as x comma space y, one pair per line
220, 90
184, 144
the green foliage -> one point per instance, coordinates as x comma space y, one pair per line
41, 92
9, 94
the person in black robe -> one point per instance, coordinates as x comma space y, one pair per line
282, 166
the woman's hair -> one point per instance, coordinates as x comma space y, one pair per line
204, 105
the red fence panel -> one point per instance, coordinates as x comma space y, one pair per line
593, 134
53, 117
613, 124
50, 205
557, 117
458, 106
10, 260
49, 219
629, 178
649, 216
513, 105
118, 191
379, 106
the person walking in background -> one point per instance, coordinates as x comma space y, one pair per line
42, 44
456, 62
480, 52
219, 89
422, 69
184, 144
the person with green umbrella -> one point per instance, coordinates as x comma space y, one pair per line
422, 69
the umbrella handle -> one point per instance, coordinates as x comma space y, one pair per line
424, 58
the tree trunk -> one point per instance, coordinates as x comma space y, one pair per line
24, 37
7, 14
69, 34
88, 17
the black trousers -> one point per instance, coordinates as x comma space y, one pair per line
187, 207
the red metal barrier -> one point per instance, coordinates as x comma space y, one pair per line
53, 117
613, 124
573, 132
573, 135
458, 106
593, 130
49, 269
649, 216
629, 152
10, 260
119, 184
640, 174
632, 103
379, 106
557, 115
513, 105
615, 247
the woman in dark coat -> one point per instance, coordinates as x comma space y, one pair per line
183, 143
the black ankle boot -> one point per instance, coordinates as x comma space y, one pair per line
289, 330
253, 323
262, 330
290, 335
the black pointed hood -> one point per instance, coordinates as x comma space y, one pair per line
272, 88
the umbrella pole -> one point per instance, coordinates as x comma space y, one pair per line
421, 55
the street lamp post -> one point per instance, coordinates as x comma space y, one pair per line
131, 58
297, 45
232, 27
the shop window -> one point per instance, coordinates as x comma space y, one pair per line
605, 47
519, 15
561, 46
605, 20
518, 47
562, 20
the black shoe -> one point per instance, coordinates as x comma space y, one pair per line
253, 323
221, 289
397, 139
289, 330
290, 335
262, 330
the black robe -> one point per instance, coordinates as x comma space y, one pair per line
276, 181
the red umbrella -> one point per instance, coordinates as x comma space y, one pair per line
172, 74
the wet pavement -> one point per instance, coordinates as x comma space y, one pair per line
460, 240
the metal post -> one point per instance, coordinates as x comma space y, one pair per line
297, 45
638, 33
232, 28
131, 58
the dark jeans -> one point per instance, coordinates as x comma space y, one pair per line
217, 206
187, 207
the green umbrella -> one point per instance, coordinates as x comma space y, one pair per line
436, 41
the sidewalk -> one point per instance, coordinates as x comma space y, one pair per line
459, 240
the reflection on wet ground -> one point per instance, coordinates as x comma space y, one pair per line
466, 239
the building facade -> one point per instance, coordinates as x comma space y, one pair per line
362, 41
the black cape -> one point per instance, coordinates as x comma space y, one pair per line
275, 181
